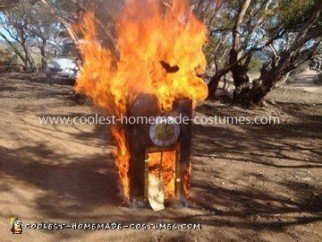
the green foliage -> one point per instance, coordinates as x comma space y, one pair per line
254, 65
294, 12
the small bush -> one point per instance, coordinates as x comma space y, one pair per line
8, 61
318, 79
290, 79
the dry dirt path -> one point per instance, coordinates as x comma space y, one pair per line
255, 182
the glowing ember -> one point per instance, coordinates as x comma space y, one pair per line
186, 180
160, 52
167, 172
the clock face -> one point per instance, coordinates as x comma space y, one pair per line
164, 131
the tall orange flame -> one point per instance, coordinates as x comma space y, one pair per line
160, 52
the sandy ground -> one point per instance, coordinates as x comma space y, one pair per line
250, 182
304, 82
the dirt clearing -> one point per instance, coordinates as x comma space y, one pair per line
250, 182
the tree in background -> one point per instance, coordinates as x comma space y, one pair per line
25, 24
70, 12
15, 22
44, 29
291, 37
286, 32
28, 24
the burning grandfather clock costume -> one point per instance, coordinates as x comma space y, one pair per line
160, 152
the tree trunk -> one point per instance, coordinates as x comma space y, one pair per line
43, 56
214, 82
29, 63
240, 77
213, 85
239, 70
253, 94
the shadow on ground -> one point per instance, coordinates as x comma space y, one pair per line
73, 188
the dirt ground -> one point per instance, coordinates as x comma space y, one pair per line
249, 183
